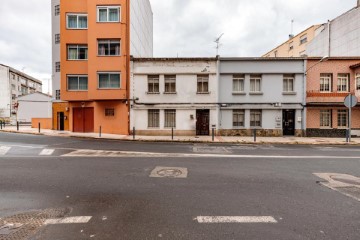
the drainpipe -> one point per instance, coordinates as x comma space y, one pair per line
303, 111
218, 91
127, 59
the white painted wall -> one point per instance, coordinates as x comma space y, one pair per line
5, 93
55, 21
186, 100
141, 31
35, 105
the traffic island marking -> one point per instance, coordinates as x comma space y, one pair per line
235, 219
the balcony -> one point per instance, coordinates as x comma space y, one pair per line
317, 93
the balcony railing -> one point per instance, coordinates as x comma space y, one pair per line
317, 93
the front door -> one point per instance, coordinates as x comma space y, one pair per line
203, 122
83, 120
61, 121
288, 122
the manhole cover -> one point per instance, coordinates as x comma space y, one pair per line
169, 172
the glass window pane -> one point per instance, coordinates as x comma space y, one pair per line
72, 53
82, 21
83, 53
114, 48
73, 83
102, 15
114, 80
72, 21
104, 80
83, 83
113, 14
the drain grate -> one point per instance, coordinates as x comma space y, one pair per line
23, 225
169, 172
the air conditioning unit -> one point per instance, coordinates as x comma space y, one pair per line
277, 104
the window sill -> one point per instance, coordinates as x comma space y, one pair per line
77, 90
76, 29
203, 93
170, 93
107, 21
109, 89
153, 93
153, 128
238, 93
109, 55
289, 93
256, 93
326, 128
77, 59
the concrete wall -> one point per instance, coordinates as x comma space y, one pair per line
141, 31
5, 93
344, 37
35, 105
272, 100
185, 101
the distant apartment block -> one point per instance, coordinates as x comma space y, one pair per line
92, 44
14, 84
296, 45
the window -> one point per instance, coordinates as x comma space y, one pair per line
153, 84
203, 83
255, 118
343, 83
342, 118
255, 83
303, 39
57, 38
288, 83
109, 47
13, 87
57, 93
325, 118
170, 83
57, 10
13, 96
13, 76
325, 82
276, 53
109, 80
76, 21
109, 112
170, 118
77, 52
77, 83
302, 53
238, 83
291, 46
108, 14
153, 118
57, 66
358, 81
24, 90
238, 118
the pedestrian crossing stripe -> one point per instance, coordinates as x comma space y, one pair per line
4, 150
47, 152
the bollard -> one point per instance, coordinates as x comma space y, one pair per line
0, 124
17, 125
172, 133
39, 128
347, 135
4, 124
100, 132
133, 133
255, 135
213, 134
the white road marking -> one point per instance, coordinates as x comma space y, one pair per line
47, 152
4, 150
235, 219
68, 220
100, 153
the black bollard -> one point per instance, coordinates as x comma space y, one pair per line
0, 124
100, 132
133, 133
172, 133
39, 127
213, 134
17, 125
255, 135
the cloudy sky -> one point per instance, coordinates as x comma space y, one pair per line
182, 28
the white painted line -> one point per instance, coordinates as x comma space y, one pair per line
4, 150
47, 152
235, 219
68, 220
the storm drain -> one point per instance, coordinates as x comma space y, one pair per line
23, 225
169, 172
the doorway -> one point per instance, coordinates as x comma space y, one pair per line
83, 120
203, 122
60, 121
288, 122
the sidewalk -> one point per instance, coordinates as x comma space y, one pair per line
200, 139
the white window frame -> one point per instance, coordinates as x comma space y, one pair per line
77, 20
155, 122
78, 89
236, 114
171, 81
170, 118
287, 79
203, 80
325, 77
257, 79
342, 114
109, 42
153, 80
343, 81
109, 73
253, 114
107, 9
240, 79
77, 46
325, 116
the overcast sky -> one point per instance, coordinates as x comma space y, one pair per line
184, 28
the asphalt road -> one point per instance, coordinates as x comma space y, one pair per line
124, 202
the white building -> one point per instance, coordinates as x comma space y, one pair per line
14, 84
35, 105
340, 37
178, 93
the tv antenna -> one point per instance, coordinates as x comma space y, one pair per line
218, 44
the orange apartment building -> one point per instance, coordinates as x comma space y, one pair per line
328, 83
91, 75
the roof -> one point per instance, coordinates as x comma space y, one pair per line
174, 59
22, 74
262, 59
32, 95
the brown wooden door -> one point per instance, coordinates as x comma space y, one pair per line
83, 119
203, 122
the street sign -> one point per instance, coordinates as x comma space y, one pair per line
350, 101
